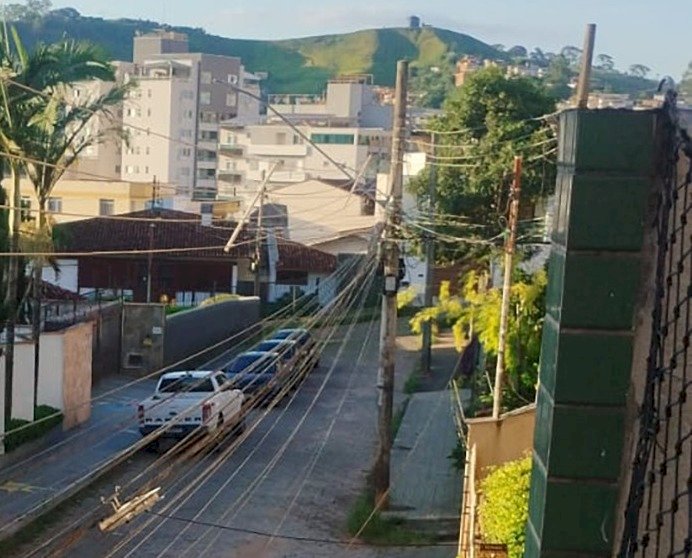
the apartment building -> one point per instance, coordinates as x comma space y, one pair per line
348, 124
171, 118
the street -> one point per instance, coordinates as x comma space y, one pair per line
299, 488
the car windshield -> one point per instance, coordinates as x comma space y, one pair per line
278, 345
251, 364
186, 383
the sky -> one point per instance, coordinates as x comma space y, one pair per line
631, 31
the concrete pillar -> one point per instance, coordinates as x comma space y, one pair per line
606, 179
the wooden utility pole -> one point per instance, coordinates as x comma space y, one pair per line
390, 256
586, 62
506, 287
429, 262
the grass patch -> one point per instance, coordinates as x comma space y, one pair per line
379, 530
34, 430
412, 383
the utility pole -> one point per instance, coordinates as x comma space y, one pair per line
586, 62
150, 260
390, 256
429, 257
258, 238
506, 286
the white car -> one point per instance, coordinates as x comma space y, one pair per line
190, 402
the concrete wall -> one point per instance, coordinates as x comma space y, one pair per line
76, 382
189, 332
64, 375
498, 442
142, 337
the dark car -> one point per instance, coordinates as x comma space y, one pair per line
308, 348
253, 370
284, 347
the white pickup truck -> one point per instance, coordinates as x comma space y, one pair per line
190, 402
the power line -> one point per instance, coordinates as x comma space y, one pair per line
294, 537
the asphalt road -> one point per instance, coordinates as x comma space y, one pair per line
297, 488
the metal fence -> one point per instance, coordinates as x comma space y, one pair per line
657, 516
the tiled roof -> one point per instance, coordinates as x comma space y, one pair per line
53, 292
298, 257
179, 229
172, 230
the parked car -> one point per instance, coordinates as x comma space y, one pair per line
308, 347
252, 371
193, 401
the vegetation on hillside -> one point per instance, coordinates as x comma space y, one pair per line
686, 85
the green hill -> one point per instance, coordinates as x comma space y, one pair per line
294, 65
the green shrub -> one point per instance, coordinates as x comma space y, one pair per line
34, 429
504, 505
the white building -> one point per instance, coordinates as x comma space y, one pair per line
349, 125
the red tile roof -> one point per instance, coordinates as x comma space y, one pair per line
53, 292
179, 229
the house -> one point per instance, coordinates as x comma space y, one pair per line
159, 254
327, 215
72, 200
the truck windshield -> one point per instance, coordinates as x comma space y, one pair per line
186, 383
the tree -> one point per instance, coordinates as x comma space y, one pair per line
639, 70
558, 76
572, 54
58, 136
432, 87
539, 58
485, 124
32, 10
518, 53
605, 62
35, 123
475, 307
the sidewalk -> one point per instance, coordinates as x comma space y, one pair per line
61, 464
426, 487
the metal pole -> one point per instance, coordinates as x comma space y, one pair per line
585, 72
429, 258
506, 286
390, 247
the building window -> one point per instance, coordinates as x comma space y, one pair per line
117, 169
146, 170
55, 205
106, 207
336, 139
206, 78
231, 99
147, 151
25, 205
128, 169
205, 98
232, 79
149, 93
148, 112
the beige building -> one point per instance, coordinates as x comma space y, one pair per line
73, 200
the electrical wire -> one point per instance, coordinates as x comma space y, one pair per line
217, 462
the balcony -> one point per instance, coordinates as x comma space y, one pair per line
230, 176
275, 150
278, 176
231, 149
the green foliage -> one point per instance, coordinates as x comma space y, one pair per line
477, 308
380, 530
432, 85
495, 117
30, 11
35, 430
504, 505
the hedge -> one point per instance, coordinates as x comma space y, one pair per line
504, 505
35, 429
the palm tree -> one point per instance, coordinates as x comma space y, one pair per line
59, 134
41, 134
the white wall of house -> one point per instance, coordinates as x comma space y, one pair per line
321, 283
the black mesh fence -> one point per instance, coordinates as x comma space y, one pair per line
657, 517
